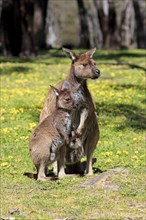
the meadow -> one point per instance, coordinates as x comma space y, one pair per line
119, 95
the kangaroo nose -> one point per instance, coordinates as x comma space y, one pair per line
96, 73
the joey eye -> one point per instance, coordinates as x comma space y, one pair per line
85, 64
67, 99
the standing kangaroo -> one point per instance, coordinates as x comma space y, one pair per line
84, 122
49, 139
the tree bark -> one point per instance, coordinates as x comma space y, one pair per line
21, 31
52, 27
127, 24
108, 23
96, 37
1, 1
84, 30
139, 17
11, 30
39, 23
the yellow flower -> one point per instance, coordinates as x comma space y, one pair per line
2, 118
10, 157
5, 164
17, 140
17, 127
5, 130
108, 161
14, 111
3, 110
125, 152
135, 139
21, 110
135, 157
32, 125
119, 152
110, 153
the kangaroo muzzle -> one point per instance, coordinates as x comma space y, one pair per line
96, 73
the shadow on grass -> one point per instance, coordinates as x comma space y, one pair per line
131, 65
16, 69
71, 170
135, 116
43, 56
125, 86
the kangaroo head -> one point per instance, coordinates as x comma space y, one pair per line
83, 66
64, 97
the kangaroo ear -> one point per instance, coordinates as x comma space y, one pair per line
91, 52
56, 91
70, 54
65, 85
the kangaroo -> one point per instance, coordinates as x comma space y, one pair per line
85, 124
49, 139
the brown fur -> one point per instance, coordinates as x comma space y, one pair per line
49, 139
85, 123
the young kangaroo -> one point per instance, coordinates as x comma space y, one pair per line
49, 139
85, 124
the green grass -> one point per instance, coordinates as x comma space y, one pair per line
120, 98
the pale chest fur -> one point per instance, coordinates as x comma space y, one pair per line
79, 97
67, 123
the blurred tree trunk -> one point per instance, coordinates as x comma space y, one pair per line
26, 14
52, 27
84, 29
22, 26
140, 7
10, 26
39, 22
0, 8
108, 22
103, 13
96, 37
127, 24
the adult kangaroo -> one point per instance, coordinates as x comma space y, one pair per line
83, 67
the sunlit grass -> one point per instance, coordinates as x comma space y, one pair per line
120, 99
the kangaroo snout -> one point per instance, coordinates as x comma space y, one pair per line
96, 73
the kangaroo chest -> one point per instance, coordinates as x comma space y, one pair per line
67, 123
79, 97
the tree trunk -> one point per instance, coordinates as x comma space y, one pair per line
103, 14
96, 37
108, 23
22, 26
139, 17
1, 1
26, 14
127, 24
39, 22
52, 27
84, 31
11, 30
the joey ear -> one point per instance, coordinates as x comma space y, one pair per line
70, 54
65, 85
91, 52
55, 90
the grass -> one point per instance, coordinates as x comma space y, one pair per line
120, 98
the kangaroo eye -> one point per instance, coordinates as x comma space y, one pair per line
85, 64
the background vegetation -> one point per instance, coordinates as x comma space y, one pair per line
26, 26
120, 100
